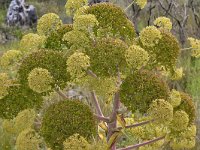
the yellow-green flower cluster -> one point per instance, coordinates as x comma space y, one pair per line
195, 44
40, 80
175, 98
8, 126
73, 5
180, 120
161, 111
136, 57
81, 11
77, 39
76, 142
183, 139
28, 140
4, 84
191, 131
141, 3
77, 64
31, 42
150, 36
48, 23
85, 22
24, 120
177, 74
181, 143
9, 58
163, 22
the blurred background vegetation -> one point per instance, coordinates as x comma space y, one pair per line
9, 36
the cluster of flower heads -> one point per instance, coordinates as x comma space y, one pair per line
9, 58
141, 3
161, 110
195, 44
150, 36
85, 22
40, 80
77, 64
136, 57
163, 22
73, 5
175, 98
48, 23
31, 42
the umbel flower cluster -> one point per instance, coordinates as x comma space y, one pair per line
120, 74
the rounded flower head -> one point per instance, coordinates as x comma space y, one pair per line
191, 131
73, 5
76, 142
177, 74
28, 140
48, 23
136, 57
85, 22
140, 88
175, 98
31, 42
4, 84
150, 36
77, 39
40, 80
24, 120
8, 126
195, 44
66, 118
9, 58
141, 3
180, 120
161, 110
163, 22
77, 64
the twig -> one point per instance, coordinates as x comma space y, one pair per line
142, 144
96, 104
137, 124
105, 119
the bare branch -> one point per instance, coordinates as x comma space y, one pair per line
138, 124
142, 144
105, 119
96, 104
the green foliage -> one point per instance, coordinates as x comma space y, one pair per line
106, 55
140, 88
18, 99
54, 40
28, 140
64, 119
53, 61
113, 20
165, 52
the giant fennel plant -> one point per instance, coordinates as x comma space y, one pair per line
127, 98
